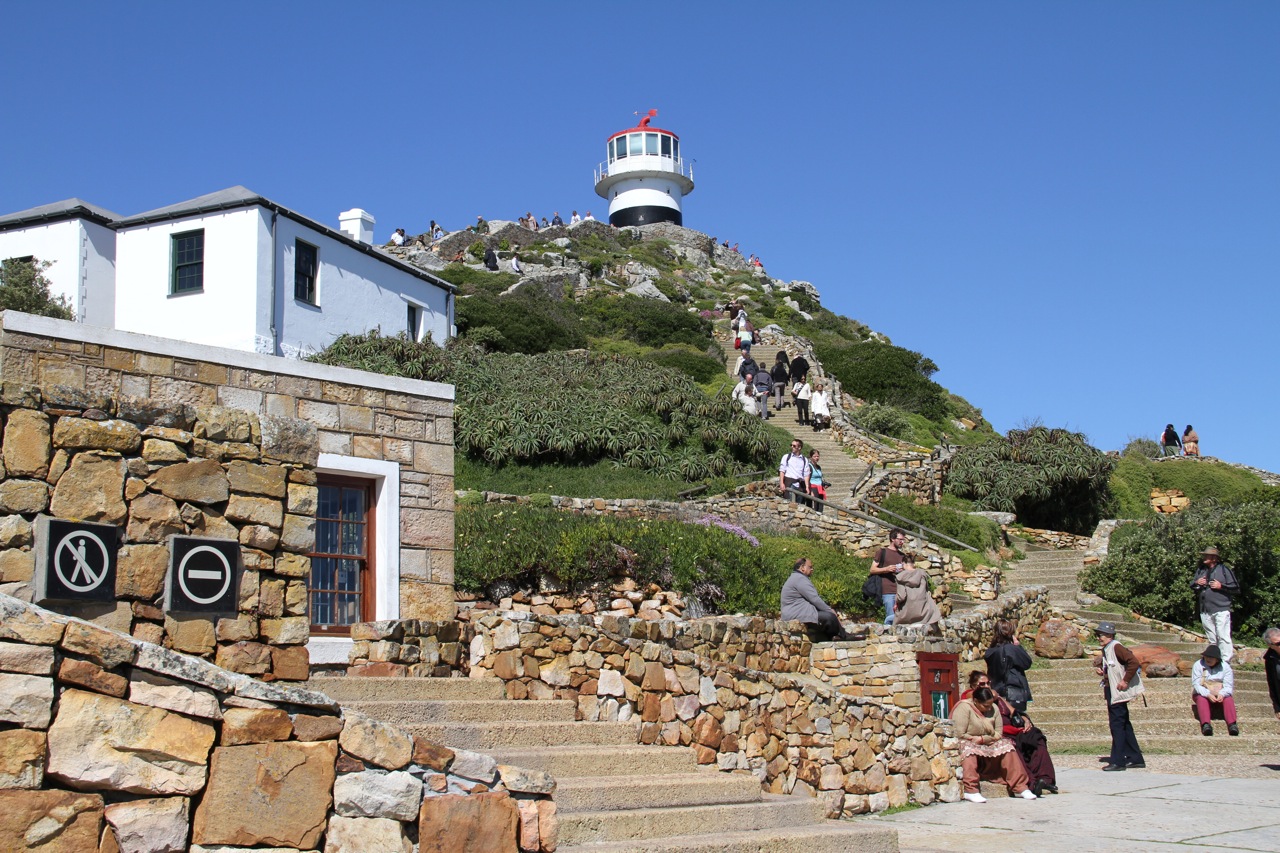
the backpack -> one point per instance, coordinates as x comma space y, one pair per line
871, 587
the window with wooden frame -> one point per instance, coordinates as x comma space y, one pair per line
341, 589
188, 262
306, 262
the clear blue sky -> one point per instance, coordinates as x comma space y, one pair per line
1072, 207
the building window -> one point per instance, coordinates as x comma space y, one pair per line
413, 323
651, 143
666, 146
341, 588
188, 262
305, 264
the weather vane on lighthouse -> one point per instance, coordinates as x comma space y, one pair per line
645, 177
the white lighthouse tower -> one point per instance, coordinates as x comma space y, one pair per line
644, 177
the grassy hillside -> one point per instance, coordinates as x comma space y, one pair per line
1135, 476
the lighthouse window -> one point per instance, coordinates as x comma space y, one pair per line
666, 146
675, 145
651, 143
637, 144
620, 147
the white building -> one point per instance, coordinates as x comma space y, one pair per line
77, 238
236, 270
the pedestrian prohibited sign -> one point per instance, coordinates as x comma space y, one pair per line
204, 575
75, 560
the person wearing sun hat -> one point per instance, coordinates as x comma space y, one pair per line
1121, 683
1212, 683
1215, 585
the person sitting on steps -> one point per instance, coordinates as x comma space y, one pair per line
1212, 686
801, 603
985, 752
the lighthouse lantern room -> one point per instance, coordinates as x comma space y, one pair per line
645, 176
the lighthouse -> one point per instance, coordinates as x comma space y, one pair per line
645, 176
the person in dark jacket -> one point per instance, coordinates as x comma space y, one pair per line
780, 374
801, 603
490, 259
1215, 585
1170, 444
748, 369
764, 387
1007, 664
1271, 662
799, 368
1121, 684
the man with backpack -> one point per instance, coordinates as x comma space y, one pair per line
764, 387
794, 471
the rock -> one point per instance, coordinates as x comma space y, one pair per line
269, 794
15, 532
26, 700
291, 630
1247, 656
165, 662
190, 632
254, 725
1058, 638
140, 571
102, 743
1087, 599
92, 489
106, 647
23, 496
310, 727
251, 510
153, 518
159, 452
27, 623
200, 482
22, 754
1156, 661
17, 566
90, 676
146, 688
151, 826
454, 822
375, 741
378, 793
250, 479
299, 533
647, 290
290, 440
365, 835
247, 657
26, 444
84, 434
474, 765
431, 755
291, 663
611, 683
19, 657
50, 821
526, 781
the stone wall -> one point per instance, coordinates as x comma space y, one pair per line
1169, 501
921, 480
882, 668
249, 414
974, 629
857, 755
1055, 539
115, 744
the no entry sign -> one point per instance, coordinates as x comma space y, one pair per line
75, 560
204, 575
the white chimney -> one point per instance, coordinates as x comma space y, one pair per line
357, 224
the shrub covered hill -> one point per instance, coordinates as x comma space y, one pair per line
595, 370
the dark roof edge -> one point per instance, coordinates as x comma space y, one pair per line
77, 212
341, 237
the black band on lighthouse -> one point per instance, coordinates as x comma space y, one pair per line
646, 214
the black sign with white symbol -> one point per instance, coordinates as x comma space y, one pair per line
204, 575
75, 560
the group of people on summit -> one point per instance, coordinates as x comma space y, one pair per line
1171, 444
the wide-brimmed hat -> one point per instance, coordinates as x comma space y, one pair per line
1107, 628
1210, 552
1212, 652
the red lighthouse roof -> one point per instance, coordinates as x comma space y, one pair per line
644, 125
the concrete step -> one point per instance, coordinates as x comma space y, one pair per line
495, 736
408, 712
564, 762
1194, 744
655, 791
1155, 713
358, 688
1185, 727
828, 837
775, 812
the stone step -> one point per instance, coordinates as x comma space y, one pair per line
564, 762
402, 712
495, 736
775, 812
831, 836
1186, 727
359, 688
1070, 698
1195, 744
655, 791
1154, 712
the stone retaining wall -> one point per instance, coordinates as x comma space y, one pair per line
882, 668
1169, 501
1055, 539
974, 629
920, 480
115, 744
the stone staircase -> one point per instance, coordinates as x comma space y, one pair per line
1067, 699
841, 470
613, 795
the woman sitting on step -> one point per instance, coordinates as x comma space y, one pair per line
1212, 683
986, 753
1033, 746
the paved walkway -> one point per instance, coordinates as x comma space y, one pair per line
1096, 811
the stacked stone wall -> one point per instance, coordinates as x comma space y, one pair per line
919, 480
974, 630
1055, 539
113, 744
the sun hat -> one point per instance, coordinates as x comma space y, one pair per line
1107, 628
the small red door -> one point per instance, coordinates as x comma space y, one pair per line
939, 683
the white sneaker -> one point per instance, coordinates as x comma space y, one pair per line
1028, 795
978, 798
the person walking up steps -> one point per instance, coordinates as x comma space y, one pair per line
1215, 583
1121, 683
793, 472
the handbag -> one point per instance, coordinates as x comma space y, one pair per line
737, 343
871, 587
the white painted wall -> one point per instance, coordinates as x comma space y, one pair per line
225, 313
641, 192
98, 275
355, 292
59, 242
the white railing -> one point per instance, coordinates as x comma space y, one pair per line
644, 163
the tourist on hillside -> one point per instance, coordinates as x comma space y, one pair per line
803, 394
1271, 663
747, 368
985, 752
1212, 685
515, 264
794, 471
780, 374
556, 220
545, 223
1007, 664
915, 606
820, 408
481, 226
1190, 442
799, 368
745, 393
886, 564
816, 485
490, 259
1121, 683
801, 603
588, 217
1215, 584
764, 388
397, 237
1170, 444
575, 218
746, 332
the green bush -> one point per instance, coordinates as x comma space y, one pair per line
1051, 478
883, 373
1149, 565
1143, 447
1135, 476
884, 419
24, 287
981, 533
725, 568
650, 322
470, 280
698, 365
526, 323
